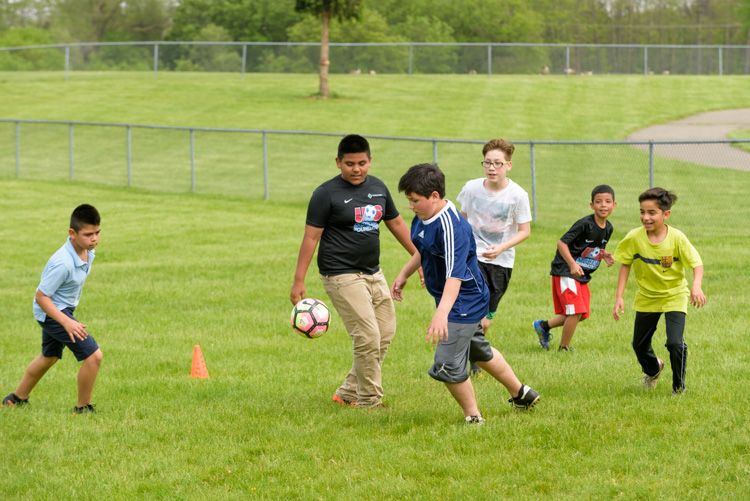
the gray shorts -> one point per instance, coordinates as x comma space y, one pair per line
465, 344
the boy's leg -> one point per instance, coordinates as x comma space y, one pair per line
463, 393
643, 330
385, 313
678, 350
498, 368
569, 328
352, 296
34, 373
87, 377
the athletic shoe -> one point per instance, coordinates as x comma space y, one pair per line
477, 420
475, 371
678, 392
565, 349
526, 398
649, 382
86, 409
13, 401
342, 402
543, 335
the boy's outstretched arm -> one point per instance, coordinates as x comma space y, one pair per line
697, 297
306, 253
438, 328
73, 328
399, 283
575, 268
622, 279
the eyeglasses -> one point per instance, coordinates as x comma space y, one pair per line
497, 165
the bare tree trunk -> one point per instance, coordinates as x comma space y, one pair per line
324, 62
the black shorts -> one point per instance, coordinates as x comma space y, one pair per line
497, 278
55, 338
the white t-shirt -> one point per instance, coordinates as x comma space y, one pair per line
494, 217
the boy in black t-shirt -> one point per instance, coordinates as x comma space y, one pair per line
579, 253
344, 215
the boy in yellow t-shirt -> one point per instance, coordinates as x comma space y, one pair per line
659, 255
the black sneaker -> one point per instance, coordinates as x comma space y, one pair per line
526, 398
565, 349
86, 409
13, 401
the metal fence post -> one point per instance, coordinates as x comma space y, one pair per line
244, 58
721, 63
567, 60
130, 158
265, 165
70, 148
533, 182
645, 61
192, 159
651, 164
434, 152
411, 57
489, 60
67, 61
156, 59
18, 149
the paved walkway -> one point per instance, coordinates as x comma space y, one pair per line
705, 126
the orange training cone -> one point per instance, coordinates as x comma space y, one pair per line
199, 366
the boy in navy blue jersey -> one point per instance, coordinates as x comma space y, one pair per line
447, 253
54, 303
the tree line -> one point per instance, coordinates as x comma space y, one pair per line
40, 22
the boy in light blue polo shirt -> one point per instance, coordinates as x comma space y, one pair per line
447, 252
56, 298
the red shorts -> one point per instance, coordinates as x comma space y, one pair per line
570, 296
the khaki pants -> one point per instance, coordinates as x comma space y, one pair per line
365, 306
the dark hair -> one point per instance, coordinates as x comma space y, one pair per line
500, 144
353, 143
84, 215
423, 179
602, 188
663, 198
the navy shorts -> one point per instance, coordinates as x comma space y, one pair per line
55, 338
466, 343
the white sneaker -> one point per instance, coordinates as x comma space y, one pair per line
649, 382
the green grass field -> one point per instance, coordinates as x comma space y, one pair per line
178, 269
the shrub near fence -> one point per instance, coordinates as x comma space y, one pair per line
407, 57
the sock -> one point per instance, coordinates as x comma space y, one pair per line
545, 325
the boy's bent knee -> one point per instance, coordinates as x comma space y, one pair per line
95, 358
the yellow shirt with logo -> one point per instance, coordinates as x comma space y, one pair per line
659, 269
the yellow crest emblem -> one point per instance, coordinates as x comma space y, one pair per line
666, 261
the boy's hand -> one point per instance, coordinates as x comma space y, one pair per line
608, 258
697, 297
492, 252
75, 330
619, 308
438, 329
398, 286
298, 292
576, 270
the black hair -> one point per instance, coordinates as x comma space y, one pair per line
663, 198
84, 215
423, 179
602, 188
353, 143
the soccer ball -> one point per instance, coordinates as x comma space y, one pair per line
370, 213
310, 318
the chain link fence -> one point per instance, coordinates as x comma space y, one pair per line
252, 163
391, 58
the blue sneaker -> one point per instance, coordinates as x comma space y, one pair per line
543, 335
